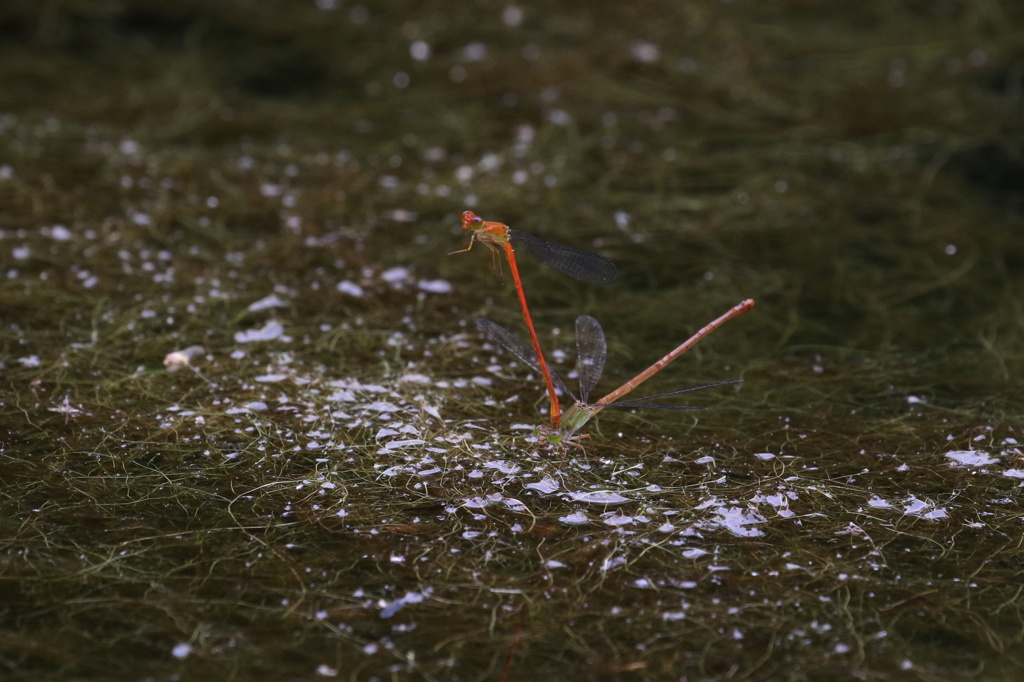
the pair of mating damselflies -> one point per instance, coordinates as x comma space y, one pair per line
590, 341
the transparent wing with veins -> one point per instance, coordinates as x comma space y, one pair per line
591, 351
514, 344
585, 266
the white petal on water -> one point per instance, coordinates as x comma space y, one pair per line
515, 505
879, 502
711, 502
915, 506
268, 332
1014, 473
617, 519
606, 497
254, 406
396, 275
393, 607
764, 455
271, 378
58, 233
434, 286
502, 466
974, 458
381, 406
180, 359
356, 385
546, 485
267, 302
736, 519
479, 502
575, 519
349, 288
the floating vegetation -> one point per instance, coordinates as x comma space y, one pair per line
249, 429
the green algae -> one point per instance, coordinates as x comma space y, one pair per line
353, 495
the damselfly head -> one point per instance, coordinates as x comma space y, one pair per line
471, 221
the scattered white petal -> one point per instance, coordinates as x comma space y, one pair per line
915, 506
617, 519
267, 302
435, 286
58, 233
502, 466
350, 288
401, 215
547, 485
974, 458
66, 409
396, 444
736, 520
268, 332
599, 497
179, 359
515, 505
644, 52
181, 651
575, 519
326, 671
395, 275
